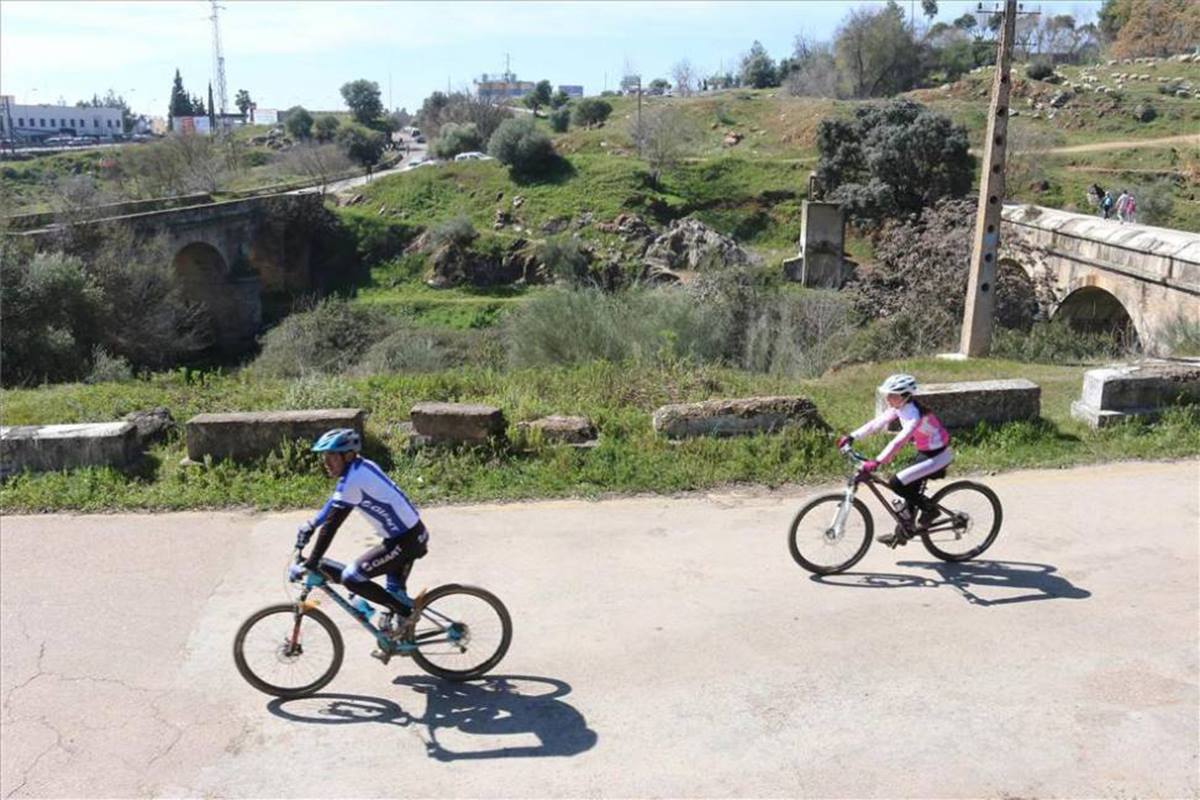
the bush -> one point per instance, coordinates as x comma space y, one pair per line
590, 111
326, 127
298, 122
1181, 337
456, 232
520, 145
1039, 70
1155, 203
455, 139
798, 335
375, 239
576, 326
328, 339
567, 259
419, 350
1053, 342
560, 119
1144, 112
360, 143
107, 368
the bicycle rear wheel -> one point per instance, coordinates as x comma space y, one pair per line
286, 656
462, 633
968, 522
821, 549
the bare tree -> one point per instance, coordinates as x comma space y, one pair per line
684, 75
663, 136
321, 163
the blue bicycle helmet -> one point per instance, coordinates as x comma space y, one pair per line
338, 440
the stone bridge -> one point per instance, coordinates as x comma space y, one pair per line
229, 255
1101, 275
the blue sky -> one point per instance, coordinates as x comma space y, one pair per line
288, 53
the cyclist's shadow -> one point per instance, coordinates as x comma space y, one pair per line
490, 707
1041, 580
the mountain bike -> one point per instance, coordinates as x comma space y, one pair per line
831, 533
291, 650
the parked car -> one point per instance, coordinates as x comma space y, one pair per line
473, 155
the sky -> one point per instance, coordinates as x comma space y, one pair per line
300, 53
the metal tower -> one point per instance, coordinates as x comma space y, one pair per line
218, 60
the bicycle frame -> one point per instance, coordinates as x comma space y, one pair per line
873, 483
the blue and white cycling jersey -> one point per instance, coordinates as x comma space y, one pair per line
365, 486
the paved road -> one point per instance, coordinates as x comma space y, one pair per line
664, 646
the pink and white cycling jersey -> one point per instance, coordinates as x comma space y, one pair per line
925, 430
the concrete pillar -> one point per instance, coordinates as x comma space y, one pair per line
822, 242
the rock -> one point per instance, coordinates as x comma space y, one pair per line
690, 244
583, 220
732, 138
518, 201
502, 219
561, 430
555, 225
452, 265
1060, 99
499, 196
735, 417
1143, 389
629, 227
152, 425
1040, 186
343, 200
1182, 93
1144, 112
458, 423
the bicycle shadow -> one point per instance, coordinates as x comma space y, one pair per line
1041, 581
499, 705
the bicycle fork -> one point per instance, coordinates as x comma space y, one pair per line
839, 520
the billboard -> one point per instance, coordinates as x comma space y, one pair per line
264, 116
187, 125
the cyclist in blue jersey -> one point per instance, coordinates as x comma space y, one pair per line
363, 485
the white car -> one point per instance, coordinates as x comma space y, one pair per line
473, 155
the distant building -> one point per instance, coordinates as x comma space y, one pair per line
630, 83
503, 87
34, 123
571, 90
264, 116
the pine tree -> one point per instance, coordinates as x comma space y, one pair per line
212, 108
181, 104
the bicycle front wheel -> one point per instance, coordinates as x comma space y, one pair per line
968, 521
819, 546
285, 655
462, 633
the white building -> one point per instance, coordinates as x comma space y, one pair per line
24, 123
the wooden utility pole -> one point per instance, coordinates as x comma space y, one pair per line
981, 286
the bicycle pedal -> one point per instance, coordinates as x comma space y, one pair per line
382, 655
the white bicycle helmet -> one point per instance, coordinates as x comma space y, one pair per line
899, 384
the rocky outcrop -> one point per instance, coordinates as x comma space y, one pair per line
153, 425
690, 244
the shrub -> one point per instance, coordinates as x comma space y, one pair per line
1053, 342
520, 145
575, 326
107, 368
455, 139
417, 350
361, 143
1144, 112
560, 119
375, 238
328, 339
798, 335
456, 232
1039, 70
1181, 337
298, 122
326, 127
590, 111
1155, 203
567, 259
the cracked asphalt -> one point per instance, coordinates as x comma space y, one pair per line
663, 647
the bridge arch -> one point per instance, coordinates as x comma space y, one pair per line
1091, 309
232, 311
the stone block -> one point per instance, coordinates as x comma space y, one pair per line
735, 417
1112, 394
246, 435
458, 423
42, 448
967, 403
562, 430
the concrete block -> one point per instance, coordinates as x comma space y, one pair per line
967, 403
735, 417
563, 430
1111, 394
246, 435
458, 423
42, 448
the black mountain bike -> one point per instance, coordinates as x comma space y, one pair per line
294, 649
831, 533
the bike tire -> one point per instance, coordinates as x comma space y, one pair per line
998, 518
288, 692
423, 660
839, 566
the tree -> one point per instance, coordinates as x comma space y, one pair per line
197, 106
362, 98
876, 53
401, 118
659, 86
360, 143
929, 8
1155, 27
326, 127
559, 99
811, 71
758, 69
243, 102
892, 159
456, 138
966, 22
684, 75
663, 136
440, 109
320, 163
519, 145
539, 97
560, 119
298, 122
591, 111
212, 108
180, 103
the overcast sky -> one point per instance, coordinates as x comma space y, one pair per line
289, 53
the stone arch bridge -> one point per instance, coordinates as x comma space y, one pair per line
1101, 274
229, 255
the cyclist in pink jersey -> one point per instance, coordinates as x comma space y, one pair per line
928, 435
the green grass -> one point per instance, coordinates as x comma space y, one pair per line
619, 398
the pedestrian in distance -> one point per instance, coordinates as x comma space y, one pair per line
1106, 205
1122, 200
